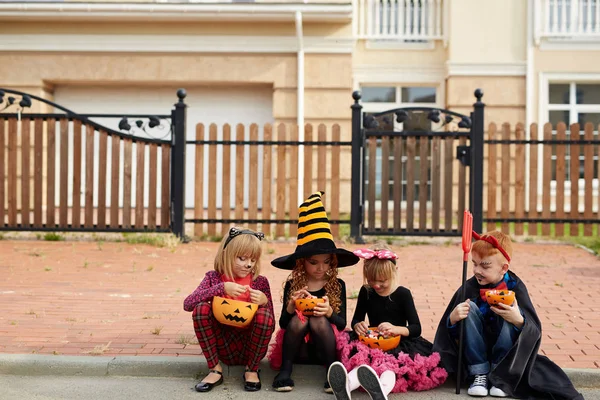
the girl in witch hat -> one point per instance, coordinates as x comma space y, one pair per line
314, 265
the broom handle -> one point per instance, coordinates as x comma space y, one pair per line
461, 334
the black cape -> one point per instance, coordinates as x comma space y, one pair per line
522, 373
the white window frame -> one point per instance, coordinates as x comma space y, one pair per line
375, 107
572, 79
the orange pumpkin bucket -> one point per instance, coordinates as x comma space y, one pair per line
307, 306
494, 297
234, 313
376, 341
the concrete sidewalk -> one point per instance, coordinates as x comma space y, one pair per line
112, 299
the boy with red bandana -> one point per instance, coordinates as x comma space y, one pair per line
501, 341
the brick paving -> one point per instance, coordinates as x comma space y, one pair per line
114, 298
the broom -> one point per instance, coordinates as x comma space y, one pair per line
467, 235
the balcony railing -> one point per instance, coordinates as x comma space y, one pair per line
567, 19
403, 20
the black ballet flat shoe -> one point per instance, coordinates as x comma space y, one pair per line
251, 386
283, 385
207, 387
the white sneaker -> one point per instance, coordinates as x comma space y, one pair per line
338, 380
479, 386
370, 382
497, 392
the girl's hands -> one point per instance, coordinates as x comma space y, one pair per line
361, 328
299, 294
234, 289
323, 309
257, 297
460, 312
511, 314
388, 329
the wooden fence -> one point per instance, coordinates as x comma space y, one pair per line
64, 174
272, 164
518, 168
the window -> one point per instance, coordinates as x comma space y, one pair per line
572, 103
383, 98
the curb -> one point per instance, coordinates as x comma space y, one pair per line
179, 367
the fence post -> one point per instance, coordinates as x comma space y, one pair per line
356, 182
477, 137
178, 116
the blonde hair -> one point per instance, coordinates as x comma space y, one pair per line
243, 245
485, 249
333, 289
375, 268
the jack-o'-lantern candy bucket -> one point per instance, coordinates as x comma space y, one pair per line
375, 340
307, 306
234, 313
494, 297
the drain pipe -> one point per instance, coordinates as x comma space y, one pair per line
300, 107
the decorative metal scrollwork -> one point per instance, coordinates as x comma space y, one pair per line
12, 101
150, 127
447, 120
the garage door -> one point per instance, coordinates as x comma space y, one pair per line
208, 105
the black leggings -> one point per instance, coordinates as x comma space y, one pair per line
295, 349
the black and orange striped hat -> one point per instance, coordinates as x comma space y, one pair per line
314, 236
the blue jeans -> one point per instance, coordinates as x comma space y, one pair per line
476, 347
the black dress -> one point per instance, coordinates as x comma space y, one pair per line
398, 309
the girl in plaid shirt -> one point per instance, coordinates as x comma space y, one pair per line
236, 276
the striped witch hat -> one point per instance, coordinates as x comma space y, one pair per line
314, 236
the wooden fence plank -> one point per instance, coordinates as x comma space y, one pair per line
435, 183
588, 177
385, 181
293, 181
76, 195
308, 161
547, 177
226, 199
533, 180
492, 180
89, 177
64, 173
239, 173
322, 159
199, 182
371, 143
212, 178
165, 206
102, 167
2, 172
280, 189
267, 176
253, 177
12, 172
38, 196
398, 143
449, 159
335, 180
411, 144
561, 134
423, 177
152, 185
140, 166
575, 137
25, 170
519, 178
505, 176
115, 186
127, 172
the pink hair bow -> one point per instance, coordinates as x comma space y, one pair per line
367, 254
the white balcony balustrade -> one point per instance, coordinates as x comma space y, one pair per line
402, 20
567, 19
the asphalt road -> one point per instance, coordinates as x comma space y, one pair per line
17, 387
